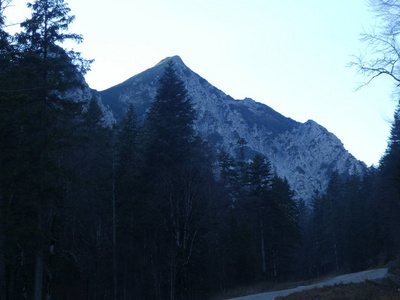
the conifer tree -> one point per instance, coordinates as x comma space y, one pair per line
334, 207
374, 219
389, 190
316, 232
130, 203
93, 212
258, 180
4, 36
174, 166
355, 236
283, 228
390, 163
4, 64
40, 124
227, 166
327, 235
170, 122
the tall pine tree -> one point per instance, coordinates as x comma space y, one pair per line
177, 169
170, 122
38, 130
389, 190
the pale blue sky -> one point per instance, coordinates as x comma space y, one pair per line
291, 55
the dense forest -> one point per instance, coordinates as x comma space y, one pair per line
150, 210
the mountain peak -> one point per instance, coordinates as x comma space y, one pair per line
306, 154
311, 122
176, 59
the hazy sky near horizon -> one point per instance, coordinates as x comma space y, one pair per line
292, 55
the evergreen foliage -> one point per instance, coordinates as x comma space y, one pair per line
38, 128
388, 191
170, 122
129, 212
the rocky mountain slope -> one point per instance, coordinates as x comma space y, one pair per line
304, 153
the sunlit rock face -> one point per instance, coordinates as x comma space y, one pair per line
305, 153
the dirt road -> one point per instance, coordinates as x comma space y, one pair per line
348, 278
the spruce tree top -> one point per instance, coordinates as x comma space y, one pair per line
50, 19
171, 118
46, 30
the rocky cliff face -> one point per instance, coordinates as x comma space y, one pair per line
306, 154
84, 94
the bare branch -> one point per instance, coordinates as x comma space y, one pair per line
382, 53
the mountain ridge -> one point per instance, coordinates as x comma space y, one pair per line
305, 153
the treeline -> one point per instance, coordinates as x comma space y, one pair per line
90, 211
354, 225
151, 211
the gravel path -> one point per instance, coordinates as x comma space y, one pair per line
348, 278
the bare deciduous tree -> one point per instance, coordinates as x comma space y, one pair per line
382, 52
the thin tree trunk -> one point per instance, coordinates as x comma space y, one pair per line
4, 212
38, 285
264, 265
114, 229
172, 280
95, 286
274, 258
49, 267
130, 283
2, 264
336, 255
3, 286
